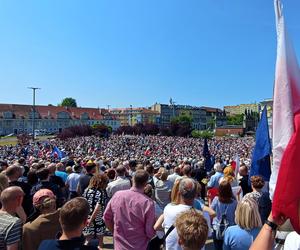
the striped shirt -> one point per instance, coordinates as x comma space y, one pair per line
10, 230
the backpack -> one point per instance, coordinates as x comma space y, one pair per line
221, 226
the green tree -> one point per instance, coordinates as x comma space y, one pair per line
235, 119
68, 102
202, 134
182, 119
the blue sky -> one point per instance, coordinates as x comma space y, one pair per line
138, 52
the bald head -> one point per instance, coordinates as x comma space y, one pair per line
10, 195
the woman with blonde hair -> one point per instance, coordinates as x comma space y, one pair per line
97, 199
248, 224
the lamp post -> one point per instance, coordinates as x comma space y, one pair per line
130, 115
33, 111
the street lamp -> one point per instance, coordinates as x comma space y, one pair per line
33, 110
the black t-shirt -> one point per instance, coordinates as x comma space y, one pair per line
72, 244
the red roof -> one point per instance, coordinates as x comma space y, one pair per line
49, 112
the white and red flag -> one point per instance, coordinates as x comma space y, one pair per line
285, 178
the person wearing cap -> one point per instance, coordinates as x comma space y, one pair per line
46, 225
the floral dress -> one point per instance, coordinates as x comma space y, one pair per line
94, 196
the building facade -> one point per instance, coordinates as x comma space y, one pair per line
240, 109
269, 104
131, 116
202, 117
17, 119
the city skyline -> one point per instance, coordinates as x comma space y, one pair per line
213, 53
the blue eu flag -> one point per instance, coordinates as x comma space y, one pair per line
261, 164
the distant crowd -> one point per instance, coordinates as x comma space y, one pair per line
147, 192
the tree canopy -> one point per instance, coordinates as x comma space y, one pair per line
68, 102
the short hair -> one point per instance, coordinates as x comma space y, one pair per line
164, 173
132, 163
247, 214
121, 170
187, 188
225, 192
10, 194
218, 167
140, 178
90, 167
187, 169
257, 181
111, 173
13, 170
150, 169
98, 181
43, 173
73, 214
192, 229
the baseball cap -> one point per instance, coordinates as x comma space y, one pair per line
40, 195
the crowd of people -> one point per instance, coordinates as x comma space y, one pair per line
147, 192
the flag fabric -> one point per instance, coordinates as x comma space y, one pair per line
207, 156
260, 164
57, 152
285, 176
237, 165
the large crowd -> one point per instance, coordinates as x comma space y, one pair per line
147, 192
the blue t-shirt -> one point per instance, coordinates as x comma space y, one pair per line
62, 175
237, 238
198, 204
214, 180
227, 208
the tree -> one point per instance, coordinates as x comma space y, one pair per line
68, 102
235, 119
202, 134
182, 119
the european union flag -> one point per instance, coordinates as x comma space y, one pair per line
261, 164
207, 156
59, 153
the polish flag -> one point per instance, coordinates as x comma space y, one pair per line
285, 178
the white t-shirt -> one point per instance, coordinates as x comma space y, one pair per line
171, 212
292, 241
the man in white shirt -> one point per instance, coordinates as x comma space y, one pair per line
187, 191
121, 182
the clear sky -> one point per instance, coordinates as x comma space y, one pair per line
138, 52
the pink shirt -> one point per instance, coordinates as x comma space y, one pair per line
133, 216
